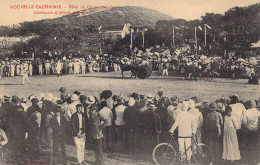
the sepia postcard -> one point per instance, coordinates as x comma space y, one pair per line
129, 82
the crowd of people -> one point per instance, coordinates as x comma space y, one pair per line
230, 127
187, 64
57, 66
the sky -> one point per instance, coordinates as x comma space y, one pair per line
185, 9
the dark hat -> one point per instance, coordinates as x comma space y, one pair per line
14, 97
82, 98
142, 97
34, 100
79, 105
93, 107
6, 97
68, 99
234, 98
250, 104
106, 94
62, 89
160, 93
196, 99
59, 102
143, 103
58, 108
174, 98
212, 106
134, 95
115, 97
16, 100
120, 100
77, 93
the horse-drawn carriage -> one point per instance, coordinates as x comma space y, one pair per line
140, 71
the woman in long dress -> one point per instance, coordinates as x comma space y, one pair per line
230, 143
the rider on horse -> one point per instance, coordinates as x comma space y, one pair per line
127, 65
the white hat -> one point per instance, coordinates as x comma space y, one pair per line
185, 106
191, 103
90, 100
149, 96
170, 108
151, 106
131, 101
74, 97
50, 97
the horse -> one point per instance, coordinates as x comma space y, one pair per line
191, 71
128, 68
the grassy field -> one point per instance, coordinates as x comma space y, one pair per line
93, 84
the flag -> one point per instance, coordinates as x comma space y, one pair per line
199, 27
207, 26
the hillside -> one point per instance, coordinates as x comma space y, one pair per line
136, 16
73, 32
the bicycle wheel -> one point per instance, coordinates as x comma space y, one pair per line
164, 154
202, 154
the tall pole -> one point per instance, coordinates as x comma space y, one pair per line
205, 35
143, 38
196, 42
173, 42
131, 38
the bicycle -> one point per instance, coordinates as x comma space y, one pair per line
165, 153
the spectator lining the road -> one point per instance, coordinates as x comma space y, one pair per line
140, 123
